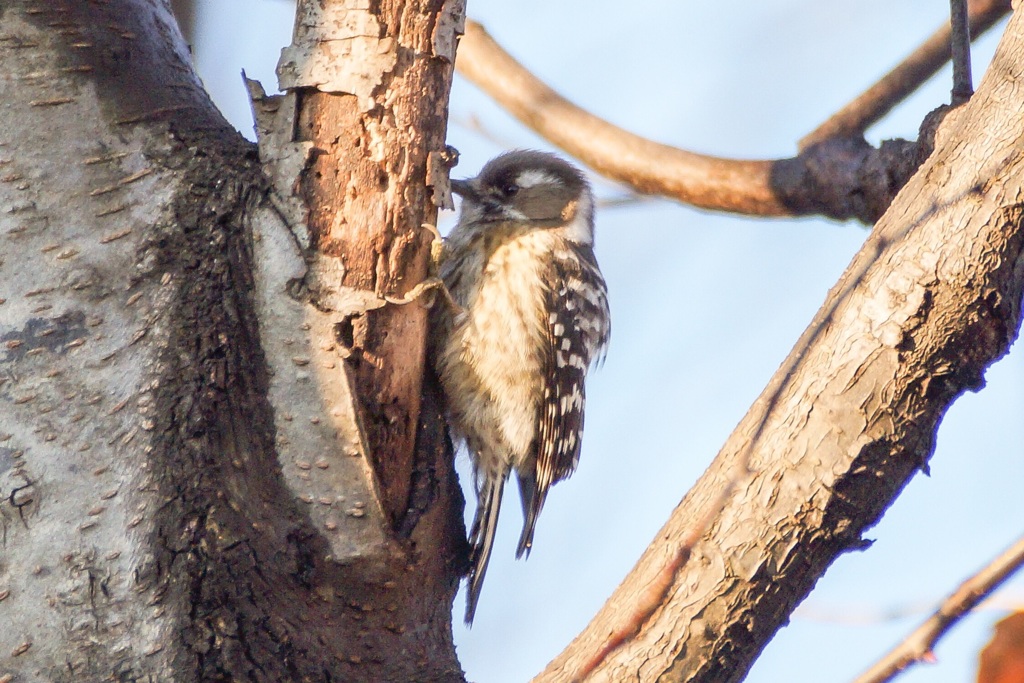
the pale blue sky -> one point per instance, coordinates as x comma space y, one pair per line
705, 307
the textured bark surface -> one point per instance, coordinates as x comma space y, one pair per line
932, 299
92, 283
370, 194
150, 528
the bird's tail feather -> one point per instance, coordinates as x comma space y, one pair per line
481, 538
532, 498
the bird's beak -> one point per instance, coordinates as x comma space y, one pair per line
464, 189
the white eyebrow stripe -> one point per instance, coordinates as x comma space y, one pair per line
535, 177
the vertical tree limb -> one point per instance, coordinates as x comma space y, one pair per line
960, 43
361, 106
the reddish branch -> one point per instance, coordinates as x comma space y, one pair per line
366, 209
918, 646
839, 177
649, 600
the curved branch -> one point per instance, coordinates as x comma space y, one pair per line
650, 167
918, 645
836, 174
832, 179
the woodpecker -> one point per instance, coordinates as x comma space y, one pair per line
531, 317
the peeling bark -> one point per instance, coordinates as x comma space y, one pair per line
373, 133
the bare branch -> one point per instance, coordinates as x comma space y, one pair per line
650, 167
833, 177
918, 646
839, 178
878, 100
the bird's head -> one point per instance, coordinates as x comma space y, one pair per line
533, 189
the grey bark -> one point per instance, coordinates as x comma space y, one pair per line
184, 493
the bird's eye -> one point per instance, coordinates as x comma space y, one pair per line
509, 189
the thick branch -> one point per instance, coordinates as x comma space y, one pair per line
918, 645
928, 304
367, 98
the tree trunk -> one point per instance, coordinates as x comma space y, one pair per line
219, 457
187, 491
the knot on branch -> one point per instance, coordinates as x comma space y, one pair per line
845, 178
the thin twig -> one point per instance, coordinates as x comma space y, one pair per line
918, 646
860, 615
960, 44
878, 100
